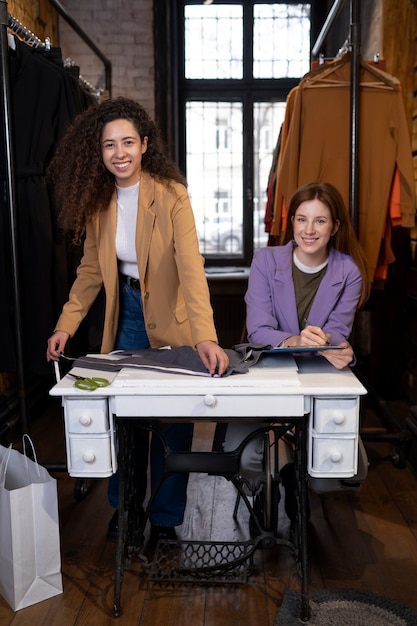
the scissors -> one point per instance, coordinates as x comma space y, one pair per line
89, 384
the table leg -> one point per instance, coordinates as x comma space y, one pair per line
120, 545
303, 548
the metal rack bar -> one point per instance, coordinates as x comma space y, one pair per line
333, 13
76, 27
355, 45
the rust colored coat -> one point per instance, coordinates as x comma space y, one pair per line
318, 145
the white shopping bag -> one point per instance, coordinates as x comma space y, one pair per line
30, 556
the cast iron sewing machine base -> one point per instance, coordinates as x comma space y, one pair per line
202, 561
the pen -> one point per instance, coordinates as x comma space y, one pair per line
308, 323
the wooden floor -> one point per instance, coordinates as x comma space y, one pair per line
369, 542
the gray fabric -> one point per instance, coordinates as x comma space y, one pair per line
182, 359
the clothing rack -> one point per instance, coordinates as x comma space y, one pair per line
355, 45
397, 433
34, 41
96, 91
11, 199
333, 13
76, 28
23, 32
7, 21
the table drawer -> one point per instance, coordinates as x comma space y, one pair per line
336, 416
90, 456
86, 416
208, 406
333, 457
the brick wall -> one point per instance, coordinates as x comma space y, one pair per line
37, 15
124, 34
122, 31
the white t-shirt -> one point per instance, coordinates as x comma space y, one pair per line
127, 211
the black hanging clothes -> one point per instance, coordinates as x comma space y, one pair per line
43, 102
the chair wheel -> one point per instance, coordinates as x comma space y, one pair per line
80, 489
398, 457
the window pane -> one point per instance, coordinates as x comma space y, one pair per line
213, 41
267, 120
214, 159
281, 40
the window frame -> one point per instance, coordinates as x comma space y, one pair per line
178, 90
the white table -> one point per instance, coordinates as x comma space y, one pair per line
320, 401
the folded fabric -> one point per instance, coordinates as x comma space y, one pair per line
250, 353
183, 359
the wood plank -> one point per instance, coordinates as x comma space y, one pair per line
369, 541
366, 542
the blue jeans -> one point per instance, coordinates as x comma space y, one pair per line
169, 503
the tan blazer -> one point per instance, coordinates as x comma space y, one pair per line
174, 288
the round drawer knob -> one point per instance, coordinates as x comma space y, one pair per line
89, 456
339, 419
210, 400
335, 456
85, 420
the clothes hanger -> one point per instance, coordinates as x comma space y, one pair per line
11, 41
322, 76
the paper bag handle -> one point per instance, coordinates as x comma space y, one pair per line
3, 466
5, 461
35, 458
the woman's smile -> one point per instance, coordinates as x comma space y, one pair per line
122, 150
313, 227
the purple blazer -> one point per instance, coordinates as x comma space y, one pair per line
271, 312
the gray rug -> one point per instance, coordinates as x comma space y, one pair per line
345, 607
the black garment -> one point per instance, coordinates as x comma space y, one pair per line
44, 100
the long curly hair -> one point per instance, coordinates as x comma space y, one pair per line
345, 239
82, 185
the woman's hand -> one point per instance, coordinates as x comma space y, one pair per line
313, 336
340, 358
56, 345
213, 356
309, 336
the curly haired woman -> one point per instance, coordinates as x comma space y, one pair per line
116, 187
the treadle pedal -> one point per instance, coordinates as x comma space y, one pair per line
200, 561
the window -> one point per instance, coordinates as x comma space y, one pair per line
239, 60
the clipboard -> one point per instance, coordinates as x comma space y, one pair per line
296, 349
